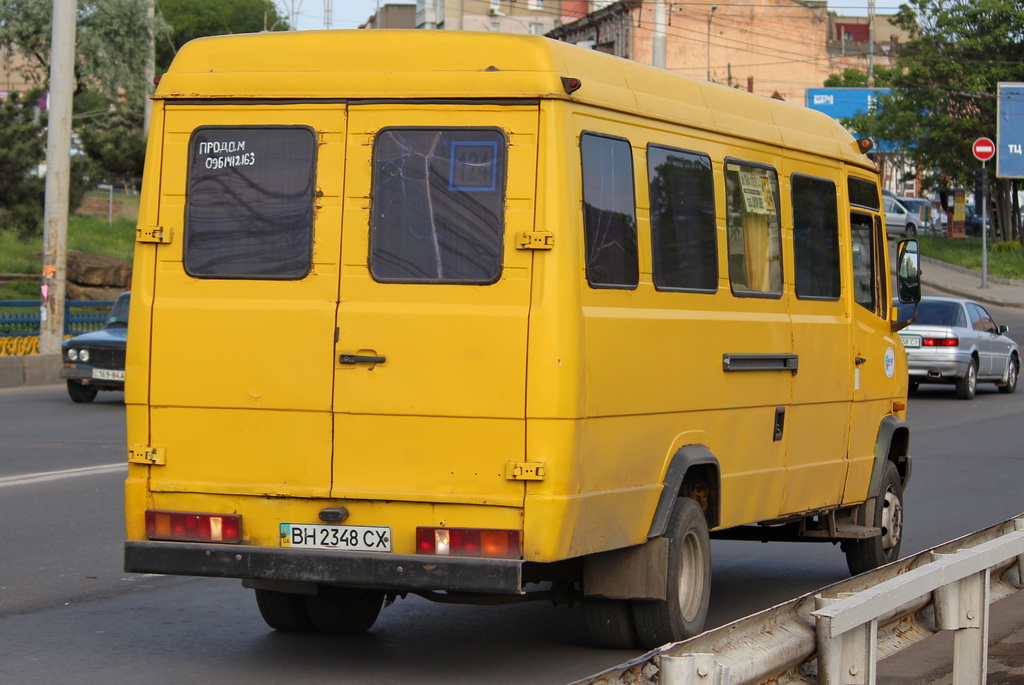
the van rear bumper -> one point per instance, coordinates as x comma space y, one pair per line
410, 572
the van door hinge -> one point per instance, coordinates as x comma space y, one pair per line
535, 240
144, 454
152, 234
524, 470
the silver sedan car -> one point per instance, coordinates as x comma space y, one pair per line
956, 341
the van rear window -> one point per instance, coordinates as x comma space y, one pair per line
249, 203
438, 205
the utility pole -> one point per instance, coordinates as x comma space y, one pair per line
58, 176
871, 43
711, 13
658, 45
150, 71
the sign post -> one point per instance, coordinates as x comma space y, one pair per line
984, 149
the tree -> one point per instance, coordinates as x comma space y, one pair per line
111, 40
190, 19
856, 78
22, 142
22, 146
943, 89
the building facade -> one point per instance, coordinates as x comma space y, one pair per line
777, 48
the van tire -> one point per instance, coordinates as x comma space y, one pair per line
870, 553
609, 623
284, 611
81, 393
688, 581
967, 386
345, 611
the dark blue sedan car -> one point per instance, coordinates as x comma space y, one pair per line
94, 361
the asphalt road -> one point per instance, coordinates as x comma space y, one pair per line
69, 614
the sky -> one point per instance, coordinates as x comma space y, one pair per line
349, 14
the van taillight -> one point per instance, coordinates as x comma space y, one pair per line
941, 342
189, 526
469, 542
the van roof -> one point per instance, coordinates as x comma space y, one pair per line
394, 64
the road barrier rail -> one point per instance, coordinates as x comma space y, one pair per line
837, 635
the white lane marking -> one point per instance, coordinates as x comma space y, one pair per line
29, 478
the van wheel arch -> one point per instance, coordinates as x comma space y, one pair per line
693, 472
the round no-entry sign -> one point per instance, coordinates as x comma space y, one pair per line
984, 149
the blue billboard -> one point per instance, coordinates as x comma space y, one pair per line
1010, 131
844, 103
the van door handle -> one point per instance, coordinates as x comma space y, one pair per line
360, 359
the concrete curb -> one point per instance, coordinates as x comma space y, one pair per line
31, 369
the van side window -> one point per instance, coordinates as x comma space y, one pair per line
249, 202
683, 240
752, 229
609, 212
438, 205
864, 267
863, 193
815, 238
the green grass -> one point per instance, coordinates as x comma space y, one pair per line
85, 233
1005, 260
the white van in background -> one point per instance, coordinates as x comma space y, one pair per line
900, 219
923, 208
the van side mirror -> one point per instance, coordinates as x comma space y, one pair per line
908, 279
908, 271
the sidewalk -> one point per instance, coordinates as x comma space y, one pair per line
930, 662
960, 282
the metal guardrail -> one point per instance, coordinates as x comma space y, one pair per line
21, 318
840, 633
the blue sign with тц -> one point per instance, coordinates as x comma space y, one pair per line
1010, 131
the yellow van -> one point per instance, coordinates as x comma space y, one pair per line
495, 318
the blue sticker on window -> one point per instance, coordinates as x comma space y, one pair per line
473, 166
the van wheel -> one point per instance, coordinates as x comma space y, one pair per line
81, 393
609, 623
682, 613
284, 611
968, 385
865, 555
347, 611
1009, 386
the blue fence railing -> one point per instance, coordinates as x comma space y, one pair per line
20, 318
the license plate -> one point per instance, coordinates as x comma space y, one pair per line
108, 374
354, 538
911, 340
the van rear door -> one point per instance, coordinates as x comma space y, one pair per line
243, 325
430, 383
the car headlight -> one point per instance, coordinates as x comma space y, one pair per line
84, 355
72, 354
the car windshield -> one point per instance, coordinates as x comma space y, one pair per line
118, 317
938, 314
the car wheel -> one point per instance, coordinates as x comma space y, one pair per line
911, 229
681, 614
609, 623
81, 393
1009, 386
968, 384
284, 611
347, 611
870, 553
